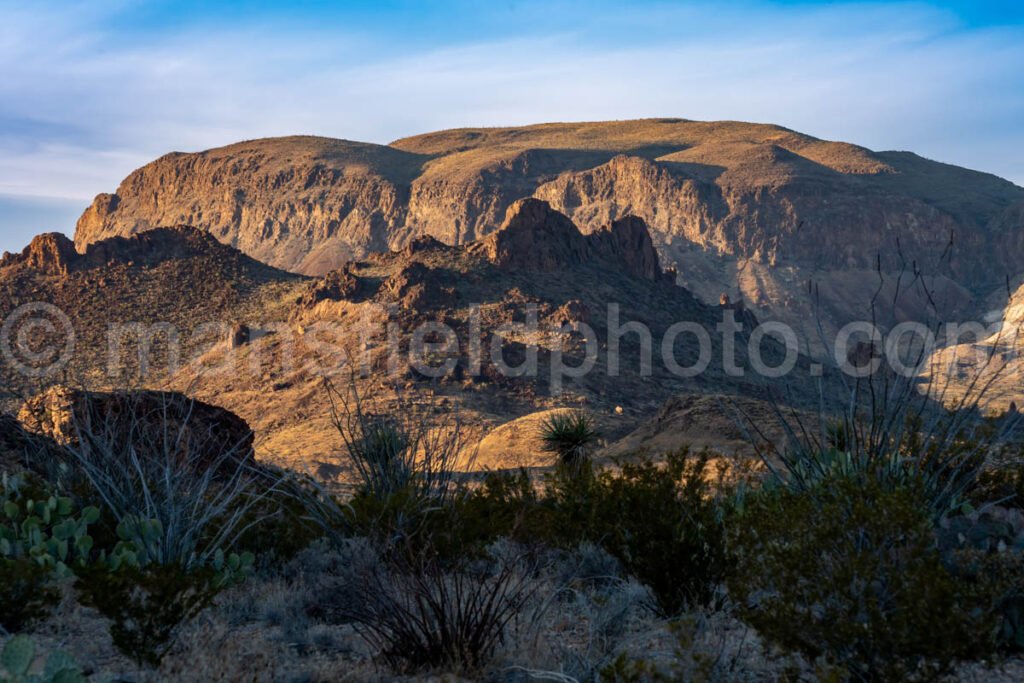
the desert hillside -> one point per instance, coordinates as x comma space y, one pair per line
292, 332
123, 300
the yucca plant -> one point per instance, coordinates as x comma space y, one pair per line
570, 435
401, 448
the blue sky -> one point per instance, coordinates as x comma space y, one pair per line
90, 91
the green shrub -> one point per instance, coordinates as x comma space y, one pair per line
276, 524
985, 547
505, 505
850, 571
1003, 484
146, 606
27, 593
145, 600
663, 522
147, 603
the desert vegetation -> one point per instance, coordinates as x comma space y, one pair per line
148, 547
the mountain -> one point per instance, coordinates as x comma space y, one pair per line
752, 210
259, 341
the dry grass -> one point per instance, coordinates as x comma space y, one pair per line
583, 618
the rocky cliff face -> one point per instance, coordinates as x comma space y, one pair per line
718, 196
750, 191
306, 204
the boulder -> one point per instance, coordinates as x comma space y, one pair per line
200, 434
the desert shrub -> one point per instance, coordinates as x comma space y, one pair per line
419, 611
985, 547
41, 539
176, 497
146, 606
276, 526
27, 593
850, 571
398, 450
146, 601
944, 478
892, 427
606, 611
662, 522
148, 462
570, 435
404, 460
691, 659
1004, 485
501, 501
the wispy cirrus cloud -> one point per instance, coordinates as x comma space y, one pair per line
89, 93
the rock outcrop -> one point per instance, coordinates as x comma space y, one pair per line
535, 237
20, 449
200, 434
417, 287
51, 253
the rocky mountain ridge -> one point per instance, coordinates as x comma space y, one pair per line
55, 254
538, 266
167, 282
749, 191
749, 210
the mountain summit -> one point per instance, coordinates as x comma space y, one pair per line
747, 209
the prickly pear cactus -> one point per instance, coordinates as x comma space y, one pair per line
18, 656
988, 545
47, 531
992, 529
232, 569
